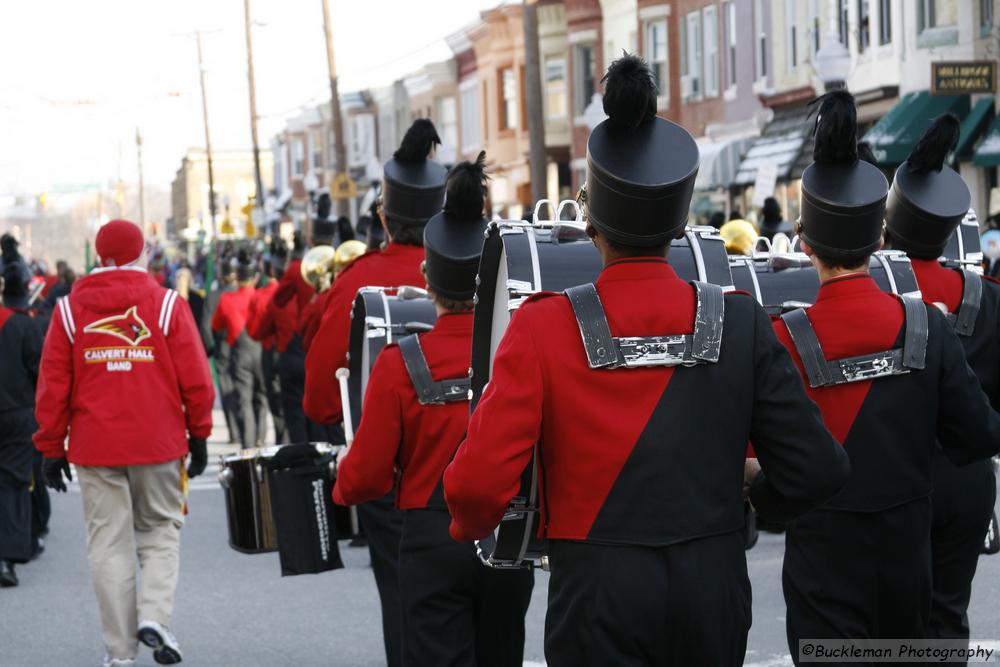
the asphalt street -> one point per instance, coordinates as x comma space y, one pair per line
236, 610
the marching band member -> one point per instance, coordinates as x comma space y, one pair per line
456, 611
925, 206
262, 297
230, 319
642, 482
888, 374
413, 193
219, 350
124, 375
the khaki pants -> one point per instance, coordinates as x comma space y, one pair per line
134, 511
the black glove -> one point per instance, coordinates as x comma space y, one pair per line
54, 471
199, 456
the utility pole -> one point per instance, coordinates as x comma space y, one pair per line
533, 95
142, 186
208, 140
338, 123
259, 204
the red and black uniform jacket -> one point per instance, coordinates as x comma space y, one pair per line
123, 372
293, 286
395, 266
279, 321
231, 316
646, 456
259, 303
982, 349
311, 317
888, 425
397, 432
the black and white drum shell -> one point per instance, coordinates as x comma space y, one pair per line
782, 282
964, 250
248, 501
381, 315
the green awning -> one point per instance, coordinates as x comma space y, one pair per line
973, 126
893, 137
988, 153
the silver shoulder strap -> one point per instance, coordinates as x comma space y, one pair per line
964, 319
429, 391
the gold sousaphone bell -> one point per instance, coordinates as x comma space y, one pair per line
322, 264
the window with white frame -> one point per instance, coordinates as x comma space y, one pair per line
584, 85
555, 88
864, 26
842, 25
936, 14
760, 30
508, 99
885, 21
710, 28
814, 28
298, 157
693, 50
791, 43
471, 113
316, 148
730, 10
986, 10
446, 121
655, 47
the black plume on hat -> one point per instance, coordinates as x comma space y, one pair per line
323, 206
418, 142
629, 92
466, 191
935, 144
836, 128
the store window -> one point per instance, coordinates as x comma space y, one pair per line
584, 85
316, 146
710, 25
555, 88
468, 92
986, 10
864, 26
730, 10
760, 29
509, 115
656, 54
298, 157
447, 121
937, 23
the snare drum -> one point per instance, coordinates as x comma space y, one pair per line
248, 500
381, 315
782, 282
522, 258
963, 250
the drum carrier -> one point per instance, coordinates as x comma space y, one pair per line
429, 391
897, 361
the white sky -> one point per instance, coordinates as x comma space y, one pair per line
78, 76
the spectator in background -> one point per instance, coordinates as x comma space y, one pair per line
772, 221
717, 219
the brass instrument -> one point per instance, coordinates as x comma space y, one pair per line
322, 263
740, 237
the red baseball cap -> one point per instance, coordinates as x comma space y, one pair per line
119, 242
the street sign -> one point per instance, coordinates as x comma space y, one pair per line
963, 77
763, 185
343, 186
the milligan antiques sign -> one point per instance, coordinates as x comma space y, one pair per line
964, 78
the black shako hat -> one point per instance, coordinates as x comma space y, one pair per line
453, 239
843, 198
640, 168
928, 199
413, 186
323, 229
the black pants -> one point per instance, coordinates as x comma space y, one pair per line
962, 506
457, 611
686, 604
383, 524
16, 458
227, 394
851, 575
292, 375
272, 389
41, 507
248, 383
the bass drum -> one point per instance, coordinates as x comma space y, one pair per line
964, 250
783, 282
381, 315
519, 259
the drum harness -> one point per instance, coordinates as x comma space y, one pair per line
897, 361
429, 391
606, 351
964, 319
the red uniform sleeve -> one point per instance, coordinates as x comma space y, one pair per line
191, 368
264, 324
310, 319
486, 471
55, 388
321, 401
367, 470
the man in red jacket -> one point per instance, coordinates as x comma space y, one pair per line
413, 192
124, 373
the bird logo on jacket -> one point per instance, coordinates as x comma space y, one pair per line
127, 326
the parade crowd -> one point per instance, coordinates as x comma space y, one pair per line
862, 425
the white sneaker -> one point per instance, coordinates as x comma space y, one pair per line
118, 662
166, 650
